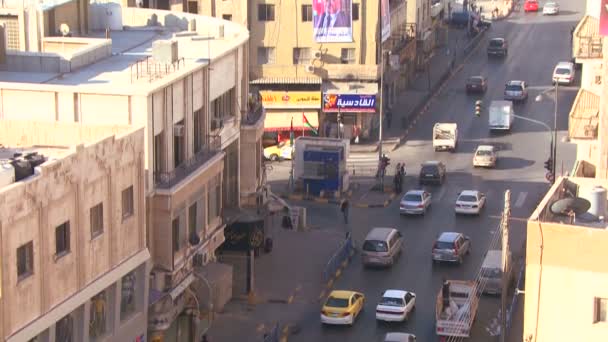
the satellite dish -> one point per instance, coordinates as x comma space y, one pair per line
64, 29
569, 206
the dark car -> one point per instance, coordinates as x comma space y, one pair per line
476, 84
451, 247
432, 172
498, 47
460, 19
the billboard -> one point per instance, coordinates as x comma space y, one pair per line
291, 99
333, 21
333, 103
604, 18
386, 19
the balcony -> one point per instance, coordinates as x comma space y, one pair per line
255, 112
583, 119
167, 180
586, 40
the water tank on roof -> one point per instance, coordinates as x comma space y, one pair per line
165, 51
597, 198
7, 174
23, 169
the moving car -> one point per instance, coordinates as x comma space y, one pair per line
470, 202
432, 172
501, 115
564, 73
445, 136
415, 202
551, 8
485, 156
395, 305
476, 84
516, 91
451, 247
531, 6
381, 247
399, 337
279, 152
497, 47
342, 307
491, 272
457, 318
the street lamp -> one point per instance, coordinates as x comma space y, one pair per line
540, 98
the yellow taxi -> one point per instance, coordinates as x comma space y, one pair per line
278, 152
342, 307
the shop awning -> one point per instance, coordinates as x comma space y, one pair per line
287, 80
366, 88
281, 121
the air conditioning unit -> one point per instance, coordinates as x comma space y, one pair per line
310, 68
178, 130
318, 54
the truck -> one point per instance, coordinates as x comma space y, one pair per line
457, 317
445, 136
501, 115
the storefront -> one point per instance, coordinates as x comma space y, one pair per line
349, 111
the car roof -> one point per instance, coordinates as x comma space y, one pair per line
485, 148
378, 233
493, 258
394, 293
414, 192
469, 192
448, 237
431, 162
498, 39
515, 82
477, 77
397, 336
341, 294
564, 65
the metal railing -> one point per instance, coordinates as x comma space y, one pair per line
166, 180
344, 252
588, 47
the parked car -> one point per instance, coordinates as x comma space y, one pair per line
399, 337
551, 8
395, 306
485, 156
281, 151
342, 307
516, 91
531, 6
415, 202
498, 47
470, 202
564, 73
476, 84
432, 172
451, 247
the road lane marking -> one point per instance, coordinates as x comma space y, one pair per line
439, 195
521, 198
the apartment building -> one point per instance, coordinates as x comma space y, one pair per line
566, 276
183, 77
75, 266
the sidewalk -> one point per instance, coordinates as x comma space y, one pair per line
289, 281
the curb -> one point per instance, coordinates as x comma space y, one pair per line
384, 204
324, 200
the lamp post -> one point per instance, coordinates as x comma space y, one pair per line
540, 98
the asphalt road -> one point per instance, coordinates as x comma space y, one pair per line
537, 43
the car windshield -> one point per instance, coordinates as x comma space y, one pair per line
282, 143
475, 80
550, 4
513, 87
390, 301
467, 198
444, 245
496, 43
375, 246
562, 71
429, 169
337, 302
490, 272
484, 153
412, 198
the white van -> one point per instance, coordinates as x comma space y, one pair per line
501, 115
491, 272
564, 73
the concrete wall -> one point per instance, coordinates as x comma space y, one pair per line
591, 69
416, 14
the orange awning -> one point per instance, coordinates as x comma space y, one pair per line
281, 121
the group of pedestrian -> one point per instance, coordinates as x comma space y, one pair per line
399, 176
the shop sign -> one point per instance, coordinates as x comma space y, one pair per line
333, 103
291, 99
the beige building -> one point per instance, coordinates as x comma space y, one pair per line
75, 266
183, 77
566, 276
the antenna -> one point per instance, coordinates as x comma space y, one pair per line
570, 207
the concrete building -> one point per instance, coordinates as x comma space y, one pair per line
75, 266
566, 276
183, 77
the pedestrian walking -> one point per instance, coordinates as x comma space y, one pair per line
204, 338
445, 294
344, 208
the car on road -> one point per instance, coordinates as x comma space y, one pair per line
564, 73
485, 156
497, 47
415, 202
399, 337
516, 91
451, 247
381, 247
342, 307
470, 202
531, 6
395, 306
281, 151
476, 84
432, 172
551, 8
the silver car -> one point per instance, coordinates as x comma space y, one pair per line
451, 247
516, 91
415, 202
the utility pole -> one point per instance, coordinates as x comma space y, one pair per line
554, 152
505, 265
381, 55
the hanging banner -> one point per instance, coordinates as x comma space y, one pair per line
291, 99
386, 19
333, 103
333, 21
604, 18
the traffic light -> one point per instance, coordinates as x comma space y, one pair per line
549, 165
478, 107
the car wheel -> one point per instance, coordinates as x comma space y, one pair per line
274, 157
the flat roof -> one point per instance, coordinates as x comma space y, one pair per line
53, 152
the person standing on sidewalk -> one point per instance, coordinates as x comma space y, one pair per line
344, 208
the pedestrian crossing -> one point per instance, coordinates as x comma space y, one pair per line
362, 164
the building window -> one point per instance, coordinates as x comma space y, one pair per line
97, 320
223, 107
158, 155
355, 12
601, 310
127, 202
301, 56
598, 79
179, 143
176, 236
227, 17
192, 226
214, 199
96, 219
265, 12
64, 329
200, 215
198, 130
347, 56
25, 260
127, 295
266, 55
306, 13
62, 239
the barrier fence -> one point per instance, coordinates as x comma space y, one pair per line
345, 250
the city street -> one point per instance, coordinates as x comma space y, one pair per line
536, 44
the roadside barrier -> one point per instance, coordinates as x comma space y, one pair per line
338, 261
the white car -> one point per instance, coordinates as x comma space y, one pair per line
395, 305
485, 156
564, 73
415, 202
470, 202
550, 8
399, 337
